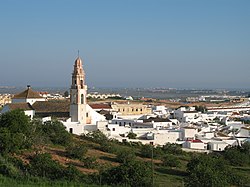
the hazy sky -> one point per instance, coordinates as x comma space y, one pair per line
126, 43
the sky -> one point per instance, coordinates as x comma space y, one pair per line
126, 43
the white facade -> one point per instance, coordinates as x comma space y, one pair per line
195, 144
83, 118
188, 133
217, 145
30, 113
78, 93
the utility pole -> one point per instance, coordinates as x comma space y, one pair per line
152, 165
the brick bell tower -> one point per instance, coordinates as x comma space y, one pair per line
78, 93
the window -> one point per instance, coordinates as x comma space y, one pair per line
74, 99
71, 130
113, 129
82, 99
87, 114
82, 83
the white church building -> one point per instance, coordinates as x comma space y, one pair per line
82, 117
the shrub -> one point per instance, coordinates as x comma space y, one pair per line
206, 170
133, 173
76, 151
131, 135
56, 132
89, 162
15, 131
170, 161
42, 165
125, 156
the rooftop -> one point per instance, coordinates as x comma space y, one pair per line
27, 94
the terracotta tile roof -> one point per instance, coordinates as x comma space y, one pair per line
196, 141
23, 106
51, 106
28, 93
100, 106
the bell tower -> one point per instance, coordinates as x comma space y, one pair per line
78, 93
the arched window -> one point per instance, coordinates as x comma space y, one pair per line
82, 99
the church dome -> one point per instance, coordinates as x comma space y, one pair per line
78, 62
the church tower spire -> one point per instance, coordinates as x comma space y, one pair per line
78, 94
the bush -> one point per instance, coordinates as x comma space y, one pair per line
170, 161
206, 170
147, 151
42, 165
133, 173
131, 135
7, 168
125, 156
238, 156
89, 162
172, 149
15, 131
76, 151
96, 136
56, 132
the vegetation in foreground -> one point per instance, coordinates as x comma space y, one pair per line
36, 154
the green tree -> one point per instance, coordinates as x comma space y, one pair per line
125, 156
15, 131
42, 165
170, 161
131, 135
238, 156
96, 136
146, 150
76, 151
56, 132
172, 149
132, 173
206, 170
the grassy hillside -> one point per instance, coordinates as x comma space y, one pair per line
36, 154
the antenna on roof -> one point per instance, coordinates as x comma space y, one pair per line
78, 53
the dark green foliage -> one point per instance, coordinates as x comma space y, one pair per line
96, 136
42, 165
146, 151
56, 132
131, 135
132, 173
125, 156
170, 161
7, 168
15, 131
206, 170
172, 149
73, 174
89, 162
238, 156
76, 151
